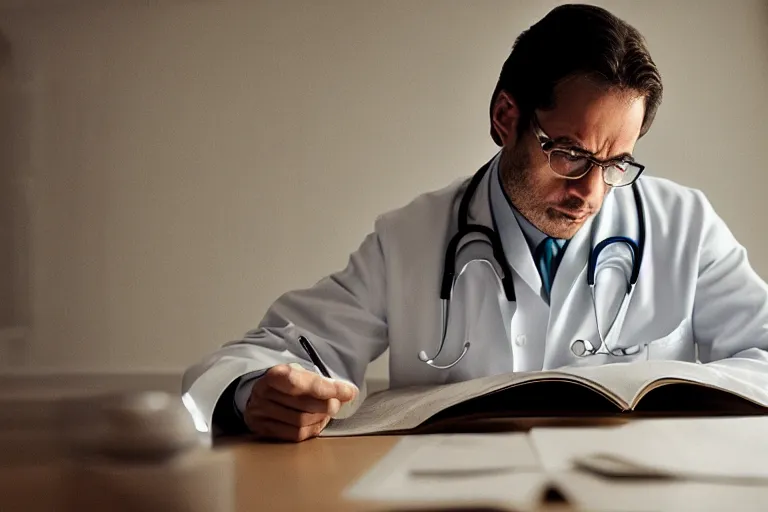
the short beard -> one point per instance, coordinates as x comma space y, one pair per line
514, 169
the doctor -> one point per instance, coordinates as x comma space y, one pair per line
559, 251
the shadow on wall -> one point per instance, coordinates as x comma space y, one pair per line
13, 212
765, 20
7, 245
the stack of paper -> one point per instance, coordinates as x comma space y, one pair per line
702, 449
595, 493
491, 470
661, 464
702, 464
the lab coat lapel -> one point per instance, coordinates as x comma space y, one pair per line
479, 212
614, 219
618, 217
513, 241
571, 301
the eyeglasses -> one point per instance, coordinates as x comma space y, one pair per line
572, 163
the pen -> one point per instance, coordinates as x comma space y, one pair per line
310, 350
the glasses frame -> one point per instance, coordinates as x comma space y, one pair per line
548, 146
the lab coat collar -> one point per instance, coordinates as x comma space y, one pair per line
516, 247
479, 206
513, 241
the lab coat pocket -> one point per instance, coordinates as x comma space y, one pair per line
678, 344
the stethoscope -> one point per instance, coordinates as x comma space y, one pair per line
579, 347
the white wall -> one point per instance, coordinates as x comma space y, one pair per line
184, 163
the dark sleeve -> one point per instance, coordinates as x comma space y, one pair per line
227, 420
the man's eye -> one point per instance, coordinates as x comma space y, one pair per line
573, 156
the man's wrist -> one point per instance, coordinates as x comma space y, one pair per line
244, 389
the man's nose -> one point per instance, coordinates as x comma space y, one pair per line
588, 186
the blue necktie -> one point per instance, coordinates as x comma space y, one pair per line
547, 261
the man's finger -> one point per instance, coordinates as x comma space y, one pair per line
278, 370
270, 429
269, 409
301, 382
333, 406
345, 392
300, 403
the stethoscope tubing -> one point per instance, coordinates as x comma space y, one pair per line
579, 347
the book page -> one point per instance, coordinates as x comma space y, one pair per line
624, 383
627, 380
538, 398
407, 408
729, 376
631, 381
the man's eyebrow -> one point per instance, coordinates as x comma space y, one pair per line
578, 147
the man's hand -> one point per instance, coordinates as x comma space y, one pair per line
292, 404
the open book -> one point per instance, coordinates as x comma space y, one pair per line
645, 388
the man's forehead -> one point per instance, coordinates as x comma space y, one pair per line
594, 116
583, 95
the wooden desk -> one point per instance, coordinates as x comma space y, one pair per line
307, 476
304, 476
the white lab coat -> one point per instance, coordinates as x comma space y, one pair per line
697, 298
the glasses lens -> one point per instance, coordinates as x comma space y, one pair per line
621, 174
567, 164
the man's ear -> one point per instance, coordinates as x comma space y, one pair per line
504, 118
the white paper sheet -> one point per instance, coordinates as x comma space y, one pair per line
497, 470
596, 494
468, 453
712, 449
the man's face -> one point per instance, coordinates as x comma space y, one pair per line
604, 122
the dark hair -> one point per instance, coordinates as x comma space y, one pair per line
577, 40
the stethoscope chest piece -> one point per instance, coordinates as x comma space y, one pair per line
584, 348
431, 360
580, 348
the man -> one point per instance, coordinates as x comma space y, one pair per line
576, 93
